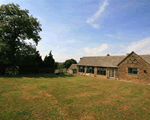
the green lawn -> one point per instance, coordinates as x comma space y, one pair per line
52, 97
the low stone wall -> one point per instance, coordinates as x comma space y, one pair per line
101, 76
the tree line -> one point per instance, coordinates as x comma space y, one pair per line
17, 26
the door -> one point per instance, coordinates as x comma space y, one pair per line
111, 72
116, 73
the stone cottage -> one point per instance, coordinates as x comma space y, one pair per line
126, 67
72, 69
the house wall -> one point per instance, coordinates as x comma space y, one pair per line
134, 61
95, 73
89, 74
80, 73
107, 73
70, 71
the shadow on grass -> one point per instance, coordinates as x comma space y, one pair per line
44, 75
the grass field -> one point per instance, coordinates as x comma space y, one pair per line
51, 97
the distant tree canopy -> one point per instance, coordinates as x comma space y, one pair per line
69, 62
108, 54
60, 65
16, 25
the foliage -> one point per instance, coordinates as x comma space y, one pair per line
74, 70
3, 53
16, 25
56, 65
69, 62
49, 62
13, 70
60, 65
108, 55
30, 57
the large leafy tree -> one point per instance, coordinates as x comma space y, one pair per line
30, 57
3, 53
69, 62
16, 26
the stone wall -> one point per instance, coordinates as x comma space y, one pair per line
101, 76
134, 61
70, 71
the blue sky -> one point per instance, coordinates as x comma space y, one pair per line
77, 28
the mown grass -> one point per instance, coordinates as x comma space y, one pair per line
47, 96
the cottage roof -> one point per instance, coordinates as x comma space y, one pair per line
107, 61
146, 58
73, 66
104, 61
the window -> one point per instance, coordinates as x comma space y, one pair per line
90, 70
132, 70
81, 69
101, 71
145, 71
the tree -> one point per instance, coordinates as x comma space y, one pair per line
3, 53
29, 58
17, 25
49, 62
108, 55
56, 65
60, 65
69, 62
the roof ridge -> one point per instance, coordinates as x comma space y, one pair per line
144, 55
107, 56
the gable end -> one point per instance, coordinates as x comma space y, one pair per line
132, 59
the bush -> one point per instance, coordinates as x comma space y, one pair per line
74, 70
57, 73
13, 70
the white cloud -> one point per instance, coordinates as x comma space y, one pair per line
97, 15
79, 53
58, 50
95, 25
116, 36
140, 47
64, 57
96, 50
109, 35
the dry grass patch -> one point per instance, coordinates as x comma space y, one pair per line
72, 98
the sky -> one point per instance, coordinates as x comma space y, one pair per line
77, 28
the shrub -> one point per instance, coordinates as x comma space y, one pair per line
74, 70
13, 70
